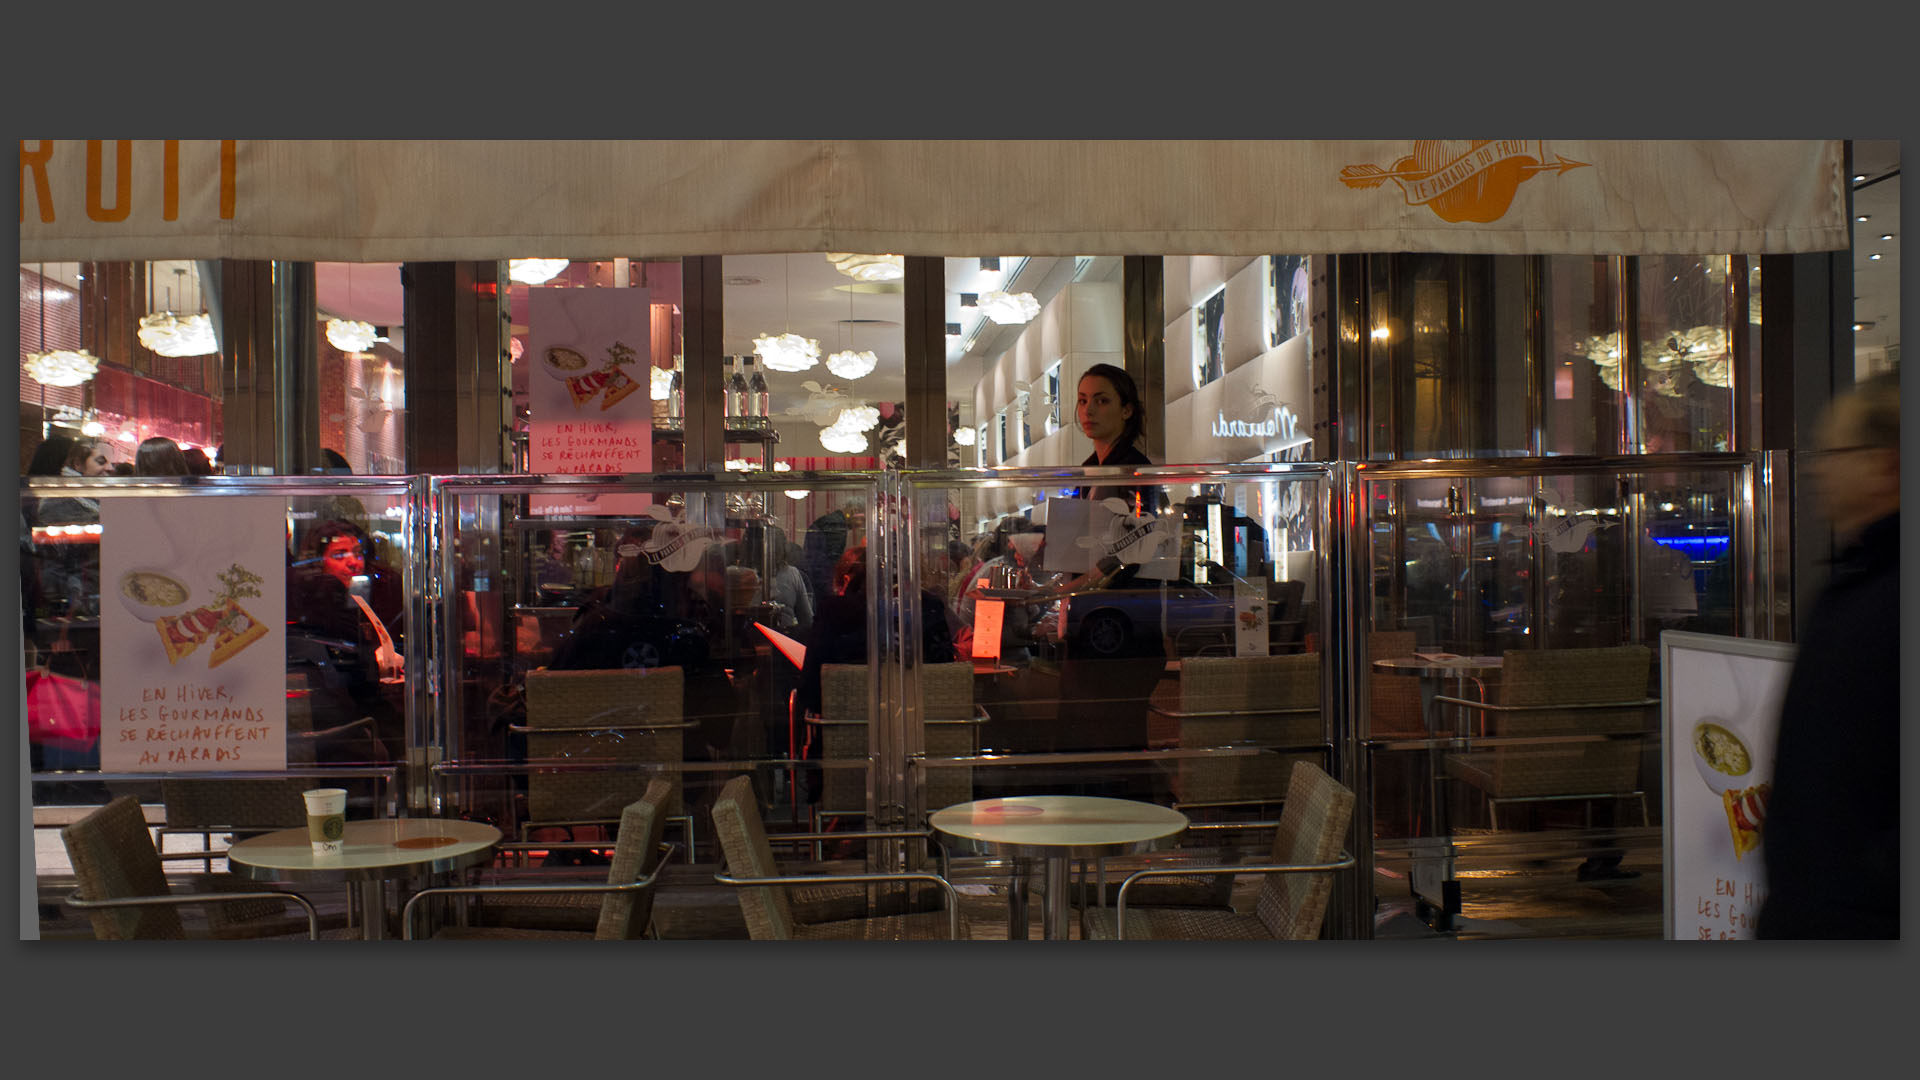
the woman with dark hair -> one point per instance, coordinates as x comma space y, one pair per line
160, 456
1110, 412
50, 457
198, 463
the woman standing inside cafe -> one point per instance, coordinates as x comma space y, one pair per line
1109, 411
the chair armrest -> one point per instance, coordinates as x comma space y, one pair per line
953, 898
406, 913
602, 729
1120, 904
74, 900
365, 721
1471, 704
880, 834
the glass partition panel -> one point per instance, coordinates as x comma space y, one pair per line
602, 632
1174, 657
1509, 681
212, 646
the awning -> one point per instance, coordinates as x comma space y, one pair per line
375, 201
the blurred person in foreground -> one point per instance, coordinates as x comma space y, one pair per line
1832, 830
160, 456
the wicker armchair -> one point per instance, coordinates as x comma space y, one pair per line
764, 899
951, 725
1394, 706
240, 808
1293, 901
1551, 695
125, 892
624, 901
619, 716
1263, 701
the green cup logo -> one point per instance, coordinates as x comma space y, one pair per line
334, 828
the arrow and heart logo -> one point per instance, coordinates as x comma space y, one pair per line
1463, 179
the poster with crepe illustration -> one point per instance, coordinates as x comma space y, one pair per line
1720, 712
193, 634
589, 408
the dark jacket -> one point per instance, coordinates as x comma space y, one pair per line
1148, 497
1832, 829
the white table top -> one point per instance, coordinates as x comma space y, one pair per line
381, 848
1438, 665
1060, 826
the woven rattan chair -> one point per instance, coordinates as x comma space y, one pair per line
1393, 699
951, 727
624, 716
623, 903
1547, 693
125, 892
764, 898
239, 808
1260, 701
1292, 902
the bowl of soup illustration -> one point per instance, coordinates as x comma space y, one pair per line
149, 592
563, 363
1722, 756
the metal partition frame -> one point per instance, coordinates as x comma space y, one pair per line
1756, 554
441, 525
419, 655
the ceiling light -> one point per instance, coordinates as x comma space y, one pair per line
990, 263
534, 271
858, 418
62, 367
782, 466
787, 352
1875, 255
176, 335
842, 442
868, 267
953, 329
93, 429
964, 436
796, 496
1886, 236
848, 364
1859, 178
968, 299
1009, 309
1863, 217
350, 336
1857, 327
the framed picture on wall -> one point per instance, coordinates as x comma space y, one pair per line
1210, 338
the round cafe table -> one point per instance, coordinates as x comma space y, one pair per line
371, 853
1059, 829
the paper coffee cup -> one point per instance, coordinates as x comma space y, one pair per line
326, 819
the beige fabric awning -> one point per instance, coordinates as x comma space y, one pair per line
376, 201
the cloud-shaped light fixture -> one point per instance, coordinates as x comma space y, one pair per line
868, 267
841, 441
350, 336
62, 367
534, 271
858, 418
850, 365
787, 352
1009, 309
964, 436
177, 335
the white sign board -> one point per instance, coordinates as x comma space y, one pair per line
1720, 718
193, 629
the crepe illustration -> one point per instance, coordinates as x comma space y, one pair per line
229, 626
1746, 813
608, 382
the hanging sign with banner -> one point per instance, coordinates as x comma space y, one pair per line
193, 635
588, 406
1720, 713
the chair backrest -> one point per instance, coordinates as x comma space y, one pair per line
245, 804
1234, 683
611, 698
623, 916
1312, 827
1548, 677
113, 857
1387, 644
946, 694
743, 839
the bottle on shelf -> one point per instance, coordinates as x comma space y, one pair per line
676, 399
759, 401
737, 389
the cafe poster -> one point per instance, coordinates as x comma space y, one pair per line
193, 634
589, 405
1720, 713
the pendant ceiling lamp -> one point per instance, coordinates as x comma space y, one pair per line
868, 267
1009, 309
62, 367
788, 351
349, 335
534, 271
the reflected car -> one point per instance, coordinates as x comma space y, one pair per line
1106, 622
